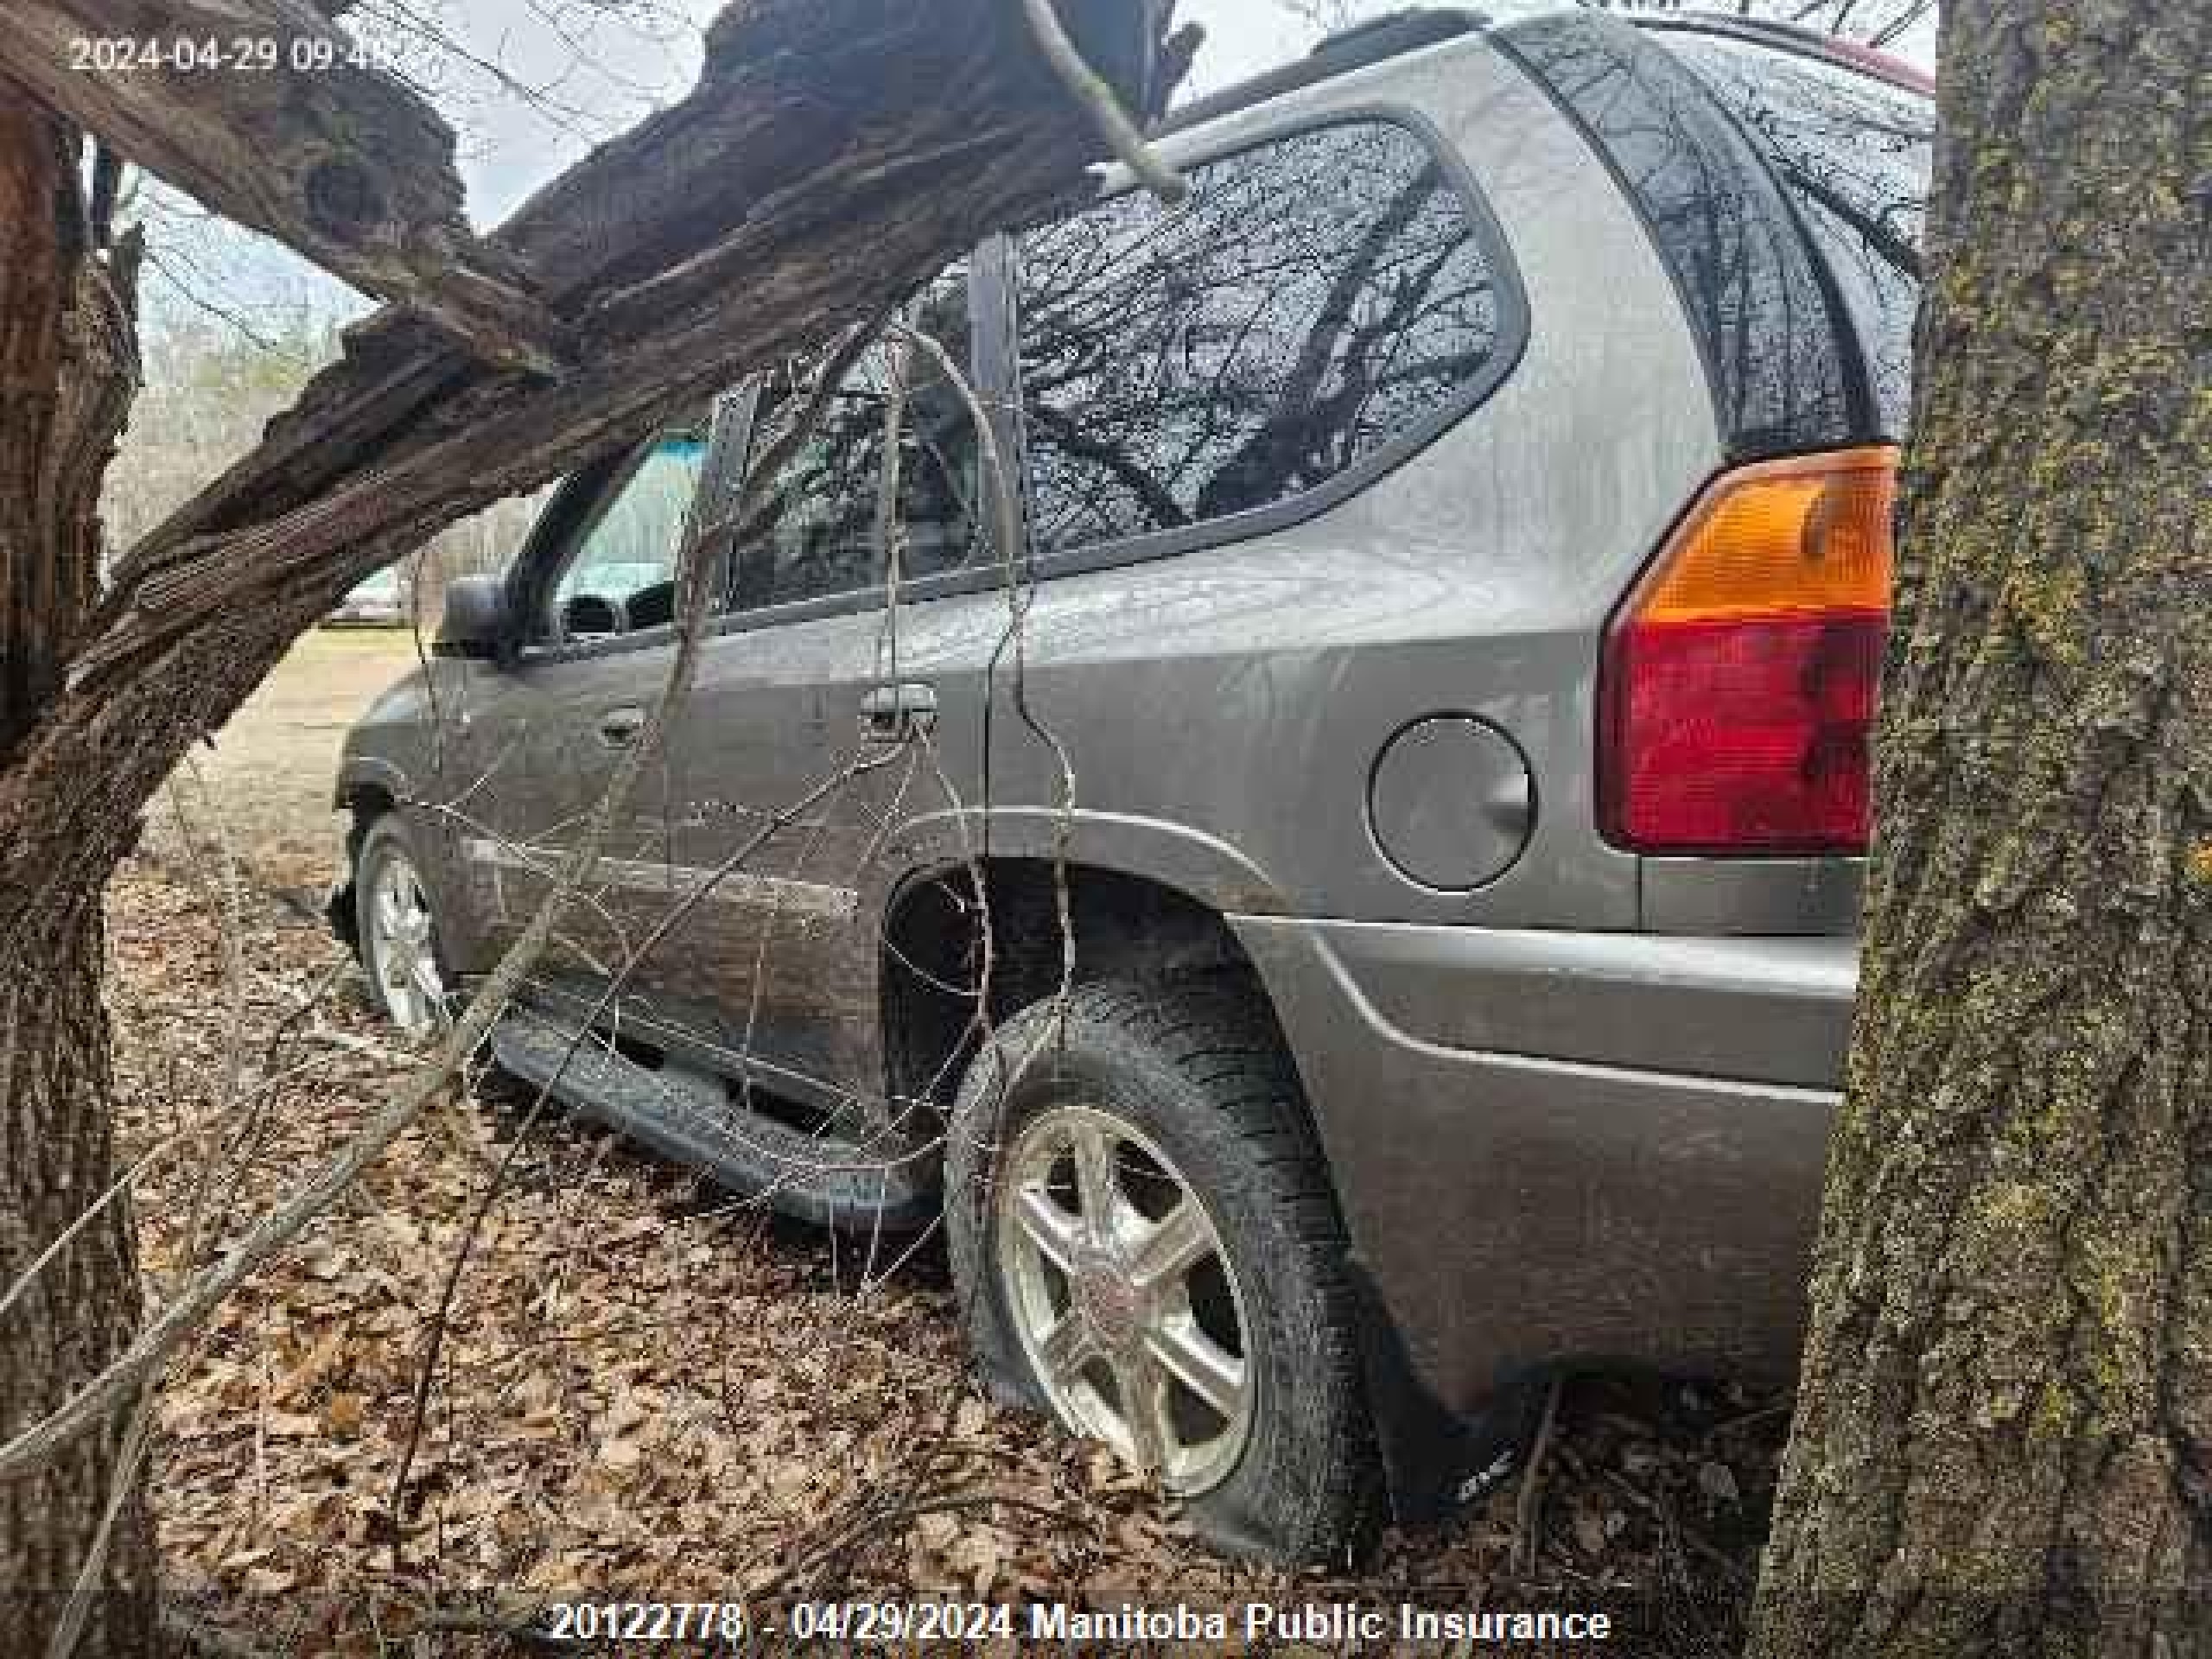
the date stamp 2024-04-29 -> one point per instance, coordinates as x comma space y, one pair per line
217, 55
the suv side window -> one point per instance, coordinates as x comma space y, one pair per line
822, 538
620, 577
1318, 297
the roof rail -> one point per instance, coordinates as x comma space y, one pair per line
1809, 43
1373, 41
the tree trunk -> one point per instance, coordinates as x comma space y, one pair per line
2004, 1439
67, 366
80, 1312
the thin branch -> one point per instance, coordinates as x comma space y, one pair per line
130, 1370
704, 545
137, 1438
1532, 1480
203, 1640
1088, 89
1902, 23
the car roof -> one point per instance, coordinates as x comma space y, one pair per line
1374, 42
1397, 32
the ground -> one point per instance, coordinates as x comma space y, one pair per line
645, 1392
271, 769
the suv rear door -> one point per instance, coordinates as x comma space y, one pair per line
804, 686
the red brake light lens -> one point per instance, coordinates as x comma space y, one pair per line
1740, 680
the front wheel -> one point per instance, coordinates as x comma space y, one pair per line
398, 931
1146, 1245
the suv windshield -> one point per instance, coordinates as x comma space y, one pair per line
1854, 153
383, 586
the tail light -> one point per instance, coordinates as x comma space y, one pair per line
1739, 680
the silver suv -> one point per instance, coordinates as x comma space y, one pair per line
1356, 911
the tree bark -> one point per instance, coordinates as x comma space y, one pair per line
2003, 1440
76, 1316
315, 147
66, 365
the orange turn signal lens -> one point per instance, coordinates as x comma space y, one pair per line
1783, 538
1738, 685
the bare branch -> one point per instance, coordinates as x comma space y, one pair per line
131, 1370
1088, 89
704, 547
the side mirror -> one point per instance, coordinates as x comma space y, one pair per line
476, 622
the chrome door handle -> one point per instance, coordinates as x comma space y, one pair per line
893, 714
619, 728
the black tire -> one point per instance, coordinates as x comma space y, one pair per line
384, 840
1195, 1066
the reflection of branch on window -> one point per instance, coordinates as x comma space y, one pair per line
1321, 292
1160, 509
1892, 245
822, 534
1305, 427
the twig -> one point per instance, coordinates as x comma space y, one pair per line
129, 1370
520, 1629
844, 1534
137, 1437
206, 1641
1085, 86
703, 543
1748, 1419
1524, 1506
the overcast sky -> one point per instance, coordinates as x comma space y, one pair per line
593, 74
581, 70
531, 85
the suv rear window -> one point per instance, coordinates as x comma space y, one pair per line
1320, 297
1748, 162
1854, 153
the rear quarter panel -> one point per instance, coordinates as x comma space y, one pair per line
1242, 693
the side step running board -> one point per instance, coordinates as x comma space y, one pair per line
689, 1116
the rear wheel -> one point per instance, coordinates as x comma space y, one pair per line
1122, 1297
1148, 1247
397, 930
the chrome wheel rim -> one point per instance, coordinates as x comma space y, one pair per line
1123, 1298
402, 951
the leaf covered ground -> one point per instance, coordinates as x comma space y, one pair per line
645, 1391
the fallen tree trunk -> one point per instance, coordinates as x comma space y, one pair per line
835, 155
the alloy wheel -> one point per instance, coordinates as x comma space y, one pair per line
1123, 1297
403, 953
